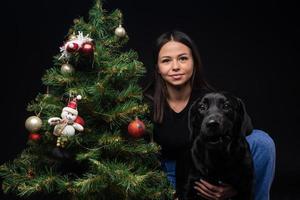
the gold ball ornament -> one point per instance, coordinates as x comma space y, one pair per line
72, 37
120, 31
67, 68
33, 124
76, 21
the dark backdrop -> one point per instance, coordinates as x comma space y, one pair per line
247, 47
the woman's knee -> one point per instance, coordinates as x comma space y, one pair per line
261, 142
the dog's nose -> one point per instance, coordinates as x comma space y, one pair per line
212, 124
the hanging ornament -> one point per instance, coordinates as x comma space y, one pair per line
67, 68
66, 125
30, 173
74, 45
87, 48
136, 128
120, 31
33, 124
80, 121
61, 141
72, 37
76, 21
34, 136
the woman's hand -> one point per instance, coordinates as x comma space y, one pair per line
213, 192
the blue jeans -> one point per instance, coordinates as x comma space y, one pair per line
263, 153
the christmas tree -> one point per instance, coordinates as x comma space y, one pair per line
90, 136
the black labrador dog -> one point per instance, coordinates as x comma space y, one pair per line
218, 124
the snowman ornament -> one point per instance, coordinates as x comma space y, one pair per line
66, 126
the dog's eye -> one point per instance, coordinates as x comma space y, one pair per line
226, 106
202, 107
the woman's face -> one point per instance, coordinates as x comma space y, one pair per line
175, 63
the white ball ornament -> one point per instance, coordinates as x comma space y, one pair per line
78, 97
33, 124
67, 68
120, 31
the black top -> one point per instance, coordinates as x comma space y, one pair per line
173, 134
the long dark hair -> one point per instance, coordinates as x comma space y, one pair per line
159, 94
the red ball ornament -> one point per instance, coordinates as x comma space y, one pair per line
79, 120
136, 128
34, 136
72, 47
87, 48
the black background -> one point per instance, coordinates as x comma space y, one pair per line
247, 47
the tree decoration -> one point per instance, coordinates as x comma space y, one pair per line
74, 44
67, 68
33, 124
87, 48
72, 47
66, 125
120, 31
61, 141
34, 136
76, 21
72, 37
30, 173
136, 128
80, 120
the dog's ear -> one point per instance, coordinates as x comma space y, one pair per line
246, 123
194, 123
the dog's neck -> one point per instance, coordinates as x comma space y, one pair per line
212, 156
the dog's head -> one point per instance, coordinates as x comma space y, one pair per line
216, 117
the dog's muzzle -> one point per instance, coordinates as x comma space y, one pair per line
213, 124
213, 132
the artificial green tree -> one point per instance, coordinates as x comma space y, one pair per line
104, 160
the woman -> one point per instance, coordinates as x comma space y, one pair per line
178, 81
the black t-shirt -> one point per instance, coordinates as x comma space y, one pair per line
173, 134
